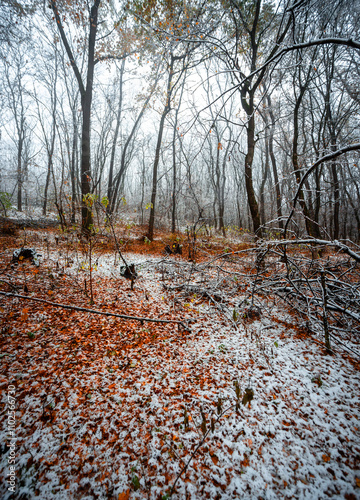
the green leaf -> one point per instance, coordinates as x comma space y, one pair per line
105, 201
135, 481
276, 344
222, 348
6, 199
89, 199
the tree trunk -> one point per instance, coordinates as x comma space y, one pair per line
111, 187
50, 149
19, 172
173, 208
86, 100
174, 187
264, 179
119, 177
73, 169
222, 184
253, 205
47, 182
335, 186
331, 125
150, 233
311, 229
86, 213
273, 164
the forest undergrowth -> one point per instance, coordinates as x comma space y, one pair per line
248, 388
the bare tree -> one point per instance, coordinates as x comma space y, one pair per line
18, 105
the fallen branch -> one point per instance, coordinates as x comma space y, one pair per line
316, 241
30, 222
9, 284
103, 313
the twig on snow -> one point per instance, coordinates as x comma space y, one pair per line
103, 313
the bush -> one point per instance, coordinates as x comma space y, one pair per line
5, 201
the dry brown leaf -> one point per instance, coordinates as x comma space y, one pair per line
125, 495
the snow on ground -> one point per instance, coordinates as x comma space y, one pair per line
30, 212
100, 409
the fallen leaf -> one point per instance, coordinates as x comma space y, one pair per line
24, 314
248, 396
125, 495
245, 462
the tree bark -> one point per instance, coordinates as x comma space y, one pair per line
311, 228
19, 170
150, 233
86, 100
253, 204
73, 166
264, 179
50, 147
111, 187
86, 213
273, 163
174, 186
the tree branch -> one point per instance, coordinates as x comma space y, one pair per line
331, 156
93, 311
67, 47
316, 241
117, 58
321, 41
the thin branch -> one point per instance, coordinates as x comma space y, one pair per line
93, 311
107, 57
321, 41
316, 241
331, 156
202, 441
67, 47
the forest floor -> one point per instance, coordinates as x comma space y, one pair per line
227, 405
